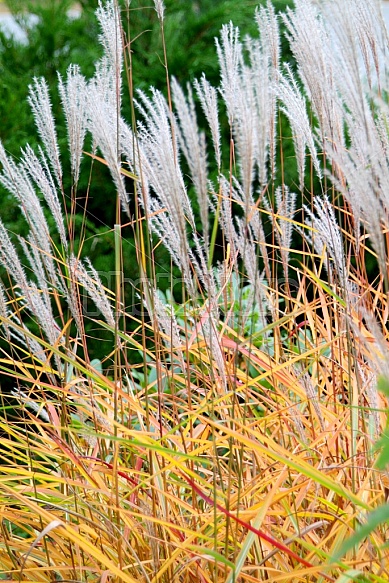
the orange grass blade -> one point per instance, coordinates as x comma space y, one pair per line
266, 537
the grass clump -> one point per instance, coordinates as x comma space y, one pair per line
241, 446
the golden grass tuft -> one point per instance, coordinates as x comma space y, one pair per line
186, 479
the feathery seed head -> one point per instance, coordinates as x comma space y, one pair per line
294, 107
40, 103
327, 238
39, 172
73, 94
208, 99
192, 143
159, 8
90, 280
111, 37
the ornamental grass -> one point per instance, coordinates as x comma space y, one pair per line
229, 432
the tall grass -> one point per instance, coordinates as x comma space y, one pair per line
239, 447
